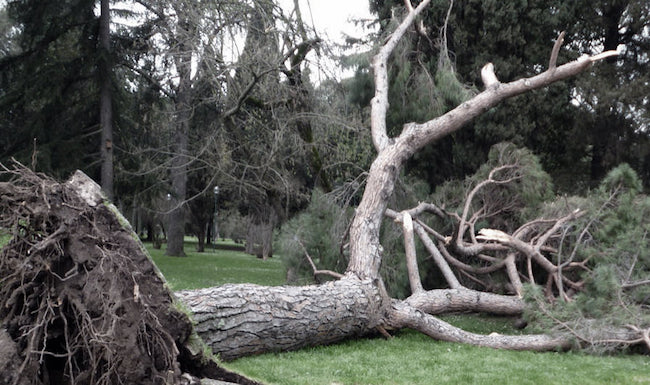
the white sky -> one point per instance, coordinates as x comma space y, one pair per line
332, 20
332, 17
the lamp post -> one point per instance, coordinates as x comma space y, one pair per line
215, 226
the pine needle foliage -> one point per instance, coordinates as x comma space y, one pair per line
612, 242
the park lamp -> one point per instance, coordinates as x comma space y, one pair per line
214, 227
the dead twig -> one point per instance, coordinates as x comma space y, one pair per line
313, 266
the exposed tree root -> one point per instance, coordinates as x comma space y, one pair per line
80, 301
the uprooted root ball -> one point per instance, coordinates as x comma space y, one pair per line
79, 300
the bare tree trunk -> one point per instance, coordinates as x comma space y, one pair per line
106, 106
239, 320
178, 172
201, 235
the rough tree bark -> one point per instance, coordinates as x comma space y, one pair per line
238, 320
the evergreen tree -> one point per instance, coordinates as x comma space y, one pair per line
48, 90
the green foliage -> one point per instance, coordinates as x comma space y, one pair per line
623, 177
612, 240
48, 90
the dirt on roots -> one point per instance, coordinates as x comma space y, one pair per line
80, 300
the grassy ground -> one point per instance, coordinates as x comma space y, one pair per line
412, 358
409, 358
215, 267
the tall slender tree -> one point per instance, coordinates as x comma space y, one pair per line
106, 101
182, 54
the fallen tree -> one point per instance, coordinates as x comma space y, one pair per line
237, 320
80, 300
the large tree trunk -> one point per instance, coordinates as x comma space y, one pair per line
239, 320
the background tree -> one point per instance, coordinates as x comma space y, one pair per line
50, 99
106, 101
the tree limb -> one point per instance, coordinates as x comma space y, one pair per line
411, 258
556, 49
403, 315
417, 135
380, 66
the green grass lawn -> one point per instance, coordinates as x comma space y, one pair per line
413, 358
215, 267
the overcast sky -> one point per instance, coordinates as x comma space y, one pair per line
332, 17
332, 20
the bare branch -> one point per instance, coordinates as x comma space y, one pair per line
411, 258
630, 285
411, 264
556, 49
380, 66
496, 264
463, 225
438, 258
313, 266
415, 136
492, 235
406, 316
513, 274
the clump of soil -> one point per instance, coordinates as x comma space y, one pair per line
80, 300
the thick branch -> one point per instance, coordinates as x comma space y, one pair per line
411, 258
244, 319
513, 274
415, 136
403, 315
450, 300
380, 65
431, 248
440, 261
